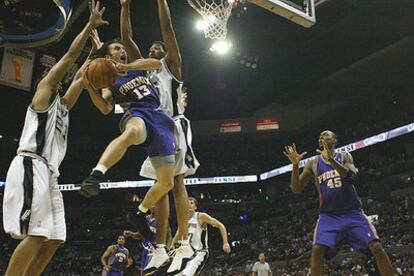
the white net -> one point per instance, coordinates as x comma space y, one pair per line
215, 15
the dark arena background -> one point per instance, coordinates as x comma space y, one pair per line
271, 83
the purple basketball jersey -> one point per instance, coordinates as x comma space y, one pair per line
135, 90
341, 218
336, 194
118, 260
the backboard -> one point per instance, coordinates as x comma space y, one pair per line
301, 12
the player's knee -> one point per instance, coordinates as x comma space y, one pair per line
168, 184
376, 249
133, 135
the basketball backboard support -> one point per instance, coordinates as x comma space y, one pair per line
302, 14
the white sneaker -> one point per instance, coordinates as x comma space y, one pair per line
159, 258
183, 254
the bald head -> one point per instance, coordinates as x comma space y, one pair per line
329, 137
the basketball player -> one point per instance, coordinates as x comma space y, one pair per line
198, 233
168, 81
115, 259
33, 206
143, 123
340, 211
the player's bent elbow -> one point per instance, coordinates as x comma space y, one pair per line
105, 110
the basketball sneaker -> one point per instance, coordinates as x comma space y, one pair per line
183, 255
159, 259
90, 186
140, 222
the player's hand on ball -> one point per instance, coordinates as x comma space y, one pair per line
95, 18
291, 153
226, 248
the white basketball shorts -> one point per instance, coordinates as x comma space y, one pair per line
32, 203
185, 161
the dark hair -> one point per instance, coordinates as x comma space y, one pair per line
161, 43
193, 199
104, 50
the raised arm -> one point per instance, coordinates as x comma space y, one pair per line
102, 100
173, 57
126, 31
206, 219
143, 64
75, 89
298, 182
347, 169
109, 251
47, 87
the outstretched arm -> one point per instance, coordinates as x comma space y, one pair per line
206, 219
173, 57
76, 87
134, 235
48, 85
142, 64
126, 31
102, 100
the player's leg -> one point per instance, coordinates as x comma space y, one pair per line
27, 195
164, 168
160, 256
318, 251
181, 206
23, 253
327, 235
195, 266
58, 236
135, 133
184, 253
363, 235
162, 213
381, 258
42, 258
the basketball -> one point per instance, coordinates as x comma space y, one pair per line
101, 73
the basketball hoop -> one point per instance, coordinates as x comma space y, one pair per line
215, 15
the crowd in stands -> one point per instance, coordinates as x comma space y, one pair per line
280, 224
260, 217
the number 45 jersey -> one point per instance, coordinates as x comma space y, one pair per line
336, 194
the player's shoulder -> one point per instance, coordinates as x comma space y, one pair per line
202, 217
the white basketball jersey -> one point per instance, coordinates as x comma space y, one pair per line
45, 134
198, 235
169, 90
